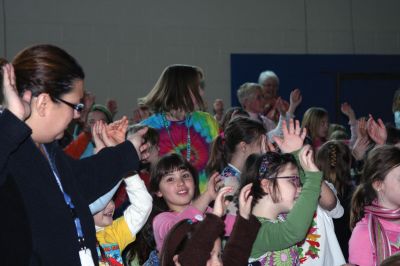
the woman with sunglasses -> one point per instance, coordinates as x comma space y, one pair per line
44, 194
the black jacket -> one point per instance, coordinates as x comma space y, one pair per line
36, 225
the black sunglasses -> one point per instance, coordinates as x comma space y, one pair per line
78, 107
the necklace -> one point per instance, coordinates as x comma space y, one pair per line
166, 125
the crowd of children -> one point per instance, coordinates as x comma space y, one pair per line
249, 186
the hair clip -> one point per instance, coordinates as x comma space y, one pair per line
263, 167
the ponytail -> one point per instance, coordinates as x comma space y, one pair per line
362, 196
334, 160
380, 161
217, 161
224, 146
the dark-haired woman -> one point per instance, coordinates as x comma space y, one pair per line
45, 194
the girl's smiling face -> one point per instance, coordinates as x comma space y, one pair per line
177, 188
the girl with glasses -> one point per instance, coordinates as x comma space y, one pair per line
284, 209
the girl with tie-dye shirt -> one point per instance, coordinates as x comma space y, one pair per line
182, 130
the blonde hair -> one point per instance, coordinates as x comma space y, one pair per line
312, 120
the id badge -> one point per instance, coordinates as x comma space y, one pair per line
86, 257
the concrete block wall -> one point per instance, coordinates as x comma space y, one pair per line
124, 45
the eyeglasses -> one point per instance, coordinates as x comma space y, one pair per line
294, 179
78, 107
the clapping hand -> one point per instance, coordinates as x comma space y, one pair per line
117, 130
100, 137
376, 130
362, 128
360, 147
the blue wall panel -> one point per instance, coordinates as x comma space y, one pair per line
367, 82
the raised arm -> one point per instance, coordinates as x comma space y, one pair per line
281, 235
141, 203
99, 173
13, 130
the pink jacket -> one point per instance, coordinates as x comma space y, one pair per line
360, 247
164, 221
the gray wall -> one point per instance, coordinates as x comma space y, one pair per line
124, 45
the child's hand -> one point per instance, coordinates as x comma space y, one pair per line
376, 131
213, 185
306, 157
245, 201
117, 130
100, 137
220, 203
293, 137
20, 107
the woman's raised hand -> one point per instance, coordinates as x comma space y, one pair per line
293, 137
142, 148
20, 107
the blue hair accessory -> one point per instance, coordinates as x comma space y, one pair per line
263, 167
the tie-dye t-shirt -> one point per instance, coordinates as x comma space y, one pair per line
203, 129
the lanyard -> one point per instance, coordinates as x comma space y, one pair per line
67, 199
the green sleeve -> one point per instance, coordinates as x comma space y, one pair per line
301, 172
281, 235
